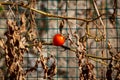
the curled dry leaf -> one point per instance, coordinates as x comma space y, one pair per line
61, 26
117, 56
21, 45
2, 44
109, 72
37, 45
109, 45
70, 39
31, 34
117, 66
87, 71
77, 38
53, 68
23, 23
80, 46
52, 71
42, 60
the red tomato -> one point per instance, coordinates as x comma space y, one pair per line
58, 40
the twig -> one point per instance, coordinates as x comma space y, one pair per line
44, 13
51, 15
102, 62
73, 50
95, 6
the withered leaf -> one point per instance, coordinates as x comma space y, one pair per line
23, 23
2, 45
21, 45
61, 26
70, 39
39, 46
23, 19
52, 71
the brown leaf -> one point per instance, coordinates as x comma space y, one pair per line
61, 26
23, 23
39, 47
52, 71
21, 45
2, 45
70, 39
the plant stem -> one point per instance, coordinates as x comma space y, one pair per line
48, 14
73, 50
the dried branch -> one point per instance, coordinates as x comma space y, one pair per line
73, 50
95, 6
51, 15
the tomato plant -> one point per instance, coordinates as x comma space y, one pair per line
58, 40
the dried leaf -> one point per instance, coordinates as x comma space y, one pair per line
2, 45
61, 26
21, 45
23, 23
70, 39
39, 46
52, 71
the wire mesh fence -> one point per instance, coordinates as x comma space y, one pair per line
90, 29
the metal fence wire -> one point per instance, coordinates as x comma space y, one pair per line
92, 38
